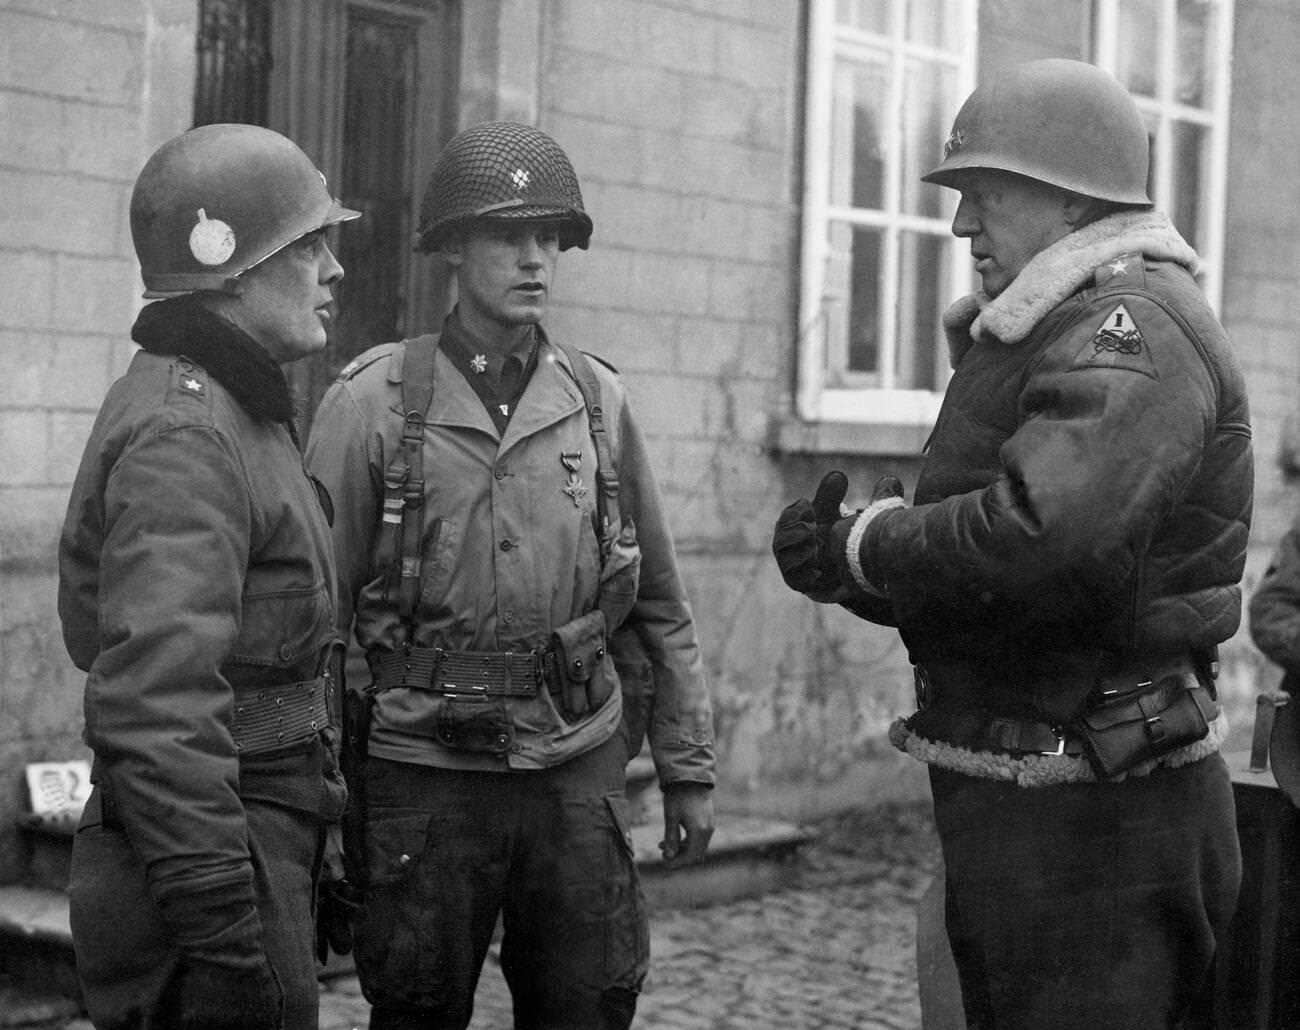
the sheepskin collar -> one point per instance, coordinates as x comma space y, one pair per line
1055, 273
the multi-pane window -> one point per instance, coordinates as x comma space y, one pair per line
885, 78
1174, 56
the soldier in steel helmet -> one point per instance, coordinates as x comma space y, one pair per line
505, 564
1070, 561
196, 590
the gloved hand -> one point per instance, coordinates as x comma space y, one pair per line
204, 995
338, 904
801, 540
338, 901
887, 493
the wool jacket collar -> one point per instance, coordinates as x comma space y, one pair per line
1055, 273
181, 326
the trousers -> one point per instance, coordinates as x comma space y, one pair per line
1087, 906
548, 853
124, 958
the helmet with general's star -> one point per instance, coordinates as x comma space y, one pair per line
502, 170
217, 200
1065, 123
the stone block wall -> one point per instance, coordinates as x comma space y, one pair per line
684, 122
87, 89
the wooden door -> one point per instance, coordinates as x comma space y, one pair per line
368, 88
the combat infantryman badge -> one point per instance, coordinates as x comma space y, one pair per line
575, 488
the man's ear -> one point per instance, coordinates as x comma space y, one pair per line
1080, 210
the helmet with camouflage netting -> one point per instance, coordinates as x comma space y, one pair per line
502, 170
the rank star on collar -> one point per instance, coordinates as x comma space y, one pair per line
1118, 267
191, 384
478, 363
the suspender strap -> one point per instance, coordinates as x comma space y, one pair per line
609, 520
403, 514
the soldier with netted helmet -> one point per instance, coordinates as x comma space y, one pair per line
196, 589
506, 566
1069, 563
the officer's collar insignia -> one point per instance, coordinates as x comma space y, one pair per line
212, 241
574, 487
192, 384
478, 363
520, 179
954, 143
1117, 343
1118, 267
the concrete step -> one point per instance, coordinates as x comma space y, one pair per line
747, 857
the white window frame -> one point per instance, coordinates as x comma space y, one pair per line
816, 401
1164, 109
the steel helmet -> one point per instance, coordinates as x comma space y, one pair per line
502, 170
1065, 123
217, 200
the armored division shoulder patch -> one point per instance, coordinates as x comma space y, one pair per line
1117, 343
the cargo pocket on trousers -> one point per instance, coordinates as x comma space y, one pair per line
627, 947
390, 933
394, 846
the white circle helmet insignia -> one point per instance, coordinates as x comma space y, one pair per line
212, 241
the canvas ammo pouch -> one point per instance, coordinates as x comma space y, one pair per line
581, 680
1122, 726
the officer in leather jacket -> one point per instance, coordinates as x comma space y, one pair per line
1070, 562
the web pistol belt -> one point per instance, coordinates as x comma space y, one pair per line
464, 673
270, 718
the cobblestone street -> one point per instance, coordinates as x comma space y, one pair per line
833, 952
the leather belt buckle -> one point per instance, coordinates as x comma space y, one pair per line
1060, 744
924, 687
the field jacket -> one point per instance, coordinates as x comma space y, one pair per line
508, 556
194, 570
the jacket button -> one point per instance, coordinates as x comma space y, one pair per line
506, 545
500, 472
285, 652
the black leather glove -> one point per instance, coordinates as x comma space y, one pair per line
801, 540
204, 995
338, 904
887, 493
